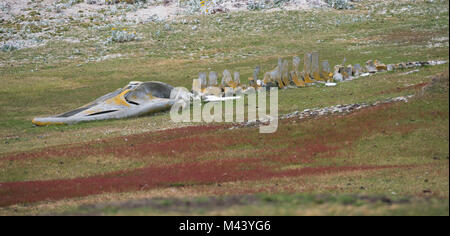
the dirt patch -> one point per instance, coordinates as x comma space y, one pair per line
415, 87
412, 87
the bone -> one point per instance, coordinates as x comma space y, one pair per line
315, 69
196, 86
237, 78
227, 80
256, 73
326, 70
213, 78
296, 64
203, 81
356, 70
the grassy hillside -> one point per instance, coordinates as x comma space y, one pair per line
397, 152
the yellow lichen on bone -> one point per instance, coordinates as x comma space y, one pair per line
307, 79
280, 83
40, 123
298, 82
119, 99
315, 68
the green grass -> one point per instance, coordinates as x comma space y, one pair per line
239, 42
55, 168
278, 204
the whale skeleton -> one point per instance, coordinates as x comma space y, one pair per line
139, 98
135, 99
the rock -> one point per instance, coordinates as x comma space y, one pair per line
411, 72
365, 74
167, 27
398, 99
410, 64
290, 115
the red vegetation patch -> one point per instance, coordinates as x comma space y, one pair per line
261, 156
150, 177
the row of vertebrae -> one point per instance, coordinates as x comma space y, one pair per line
279, 77
282, 77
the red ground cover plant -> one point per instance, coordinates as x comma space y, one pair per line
151, 177
263, 156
